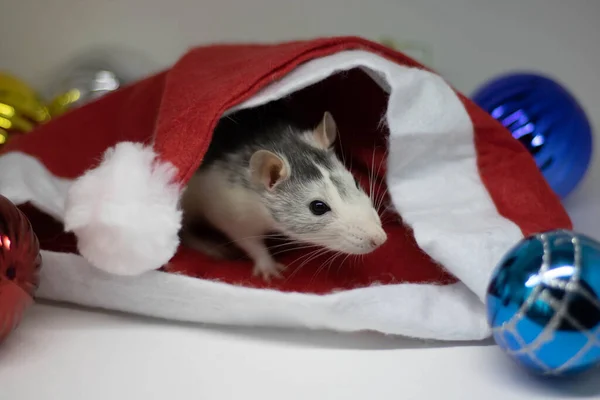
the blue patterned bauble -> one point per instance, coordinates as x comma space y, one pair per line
542, 115
543, 303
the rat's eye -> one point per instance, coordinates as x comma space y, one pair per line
318, 207
357, 184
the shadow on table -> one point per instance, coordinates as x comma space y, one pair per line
585, 385
293, 337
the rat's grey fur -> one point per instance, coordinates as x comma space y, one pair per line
227, 194
237, 138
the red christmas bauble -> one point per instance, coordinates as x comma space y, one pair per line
20, 261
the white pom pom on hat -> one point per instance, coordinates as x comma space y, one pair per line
125, 212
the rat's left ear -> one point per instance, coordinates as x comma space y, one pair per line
268, 169
326, 132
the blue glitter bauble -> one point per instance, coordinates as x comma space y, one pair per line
548, 120
543, 303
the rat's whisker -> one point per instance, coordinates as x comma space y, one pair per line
375, 179
381, 162
381, 200
265, 236
297, 269
308, 258
229, 117
371, 178
292, 249
342, 151
277, 236
331, 259
317, 255
341, 264
319, 269
295, 244
291, 243
330, 263
326, 265
388, 219
309, 254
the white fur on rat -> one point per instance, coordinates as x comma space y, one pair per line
279, 179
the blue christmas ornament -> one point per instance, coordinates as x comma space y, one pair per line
543, 303
543, 116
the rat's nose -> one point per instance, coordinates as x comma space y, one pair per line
378, 239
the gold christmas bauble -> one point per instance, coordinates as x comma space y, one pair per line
21, 109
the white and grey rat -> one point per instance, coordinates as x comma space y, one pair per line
263, 174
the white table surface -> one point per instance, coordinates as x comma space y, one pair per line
67, 353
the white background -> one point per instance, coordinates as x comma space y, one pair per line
60, 353
472, 41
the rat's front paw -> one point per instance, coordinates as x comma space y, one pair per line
268, 270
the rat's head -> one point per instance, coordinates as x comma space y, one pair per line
311, 196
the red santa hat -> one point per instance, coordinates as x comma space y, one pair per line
461, 192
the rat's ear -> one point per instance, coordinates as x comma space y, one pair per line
268, 169
326, 132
